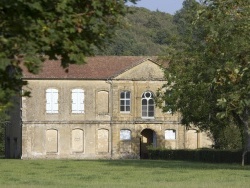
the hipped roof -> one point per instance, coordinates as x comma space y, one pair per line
98, 67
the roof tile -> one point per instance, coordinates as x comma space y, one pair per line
98, 67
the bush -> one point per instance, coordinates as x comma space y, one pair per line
2, 138
202, 155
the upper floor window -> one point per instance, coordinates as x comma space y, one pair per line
148, 105
77, 101
51, 101
125, 101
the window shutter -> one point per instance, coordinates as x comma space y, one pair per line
81, 101
48, 101
77, 101
74, 102
54, 94
52, 101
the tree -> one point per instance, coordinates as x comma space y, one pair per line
228, 137
209, 73
34, 30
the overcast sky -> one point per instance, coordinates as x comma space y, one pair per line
169, 6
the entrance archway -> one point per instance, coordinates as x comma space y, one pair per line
148, 138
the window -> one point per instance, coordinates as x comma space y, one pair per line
170, 134
148, 105
125, 101
125, 134
102, 102
51, 101
77, 101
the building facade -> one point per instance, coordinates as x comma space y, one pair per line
102, 109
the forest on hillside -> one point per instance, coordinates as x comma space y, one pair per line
144, 32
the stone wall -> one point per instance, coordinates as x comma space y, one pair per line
102, 131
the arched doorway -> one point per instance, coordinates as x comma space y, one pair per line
148, 138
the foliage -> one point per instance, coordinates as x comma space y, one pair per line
201, 155
228, 137
208, 75
32, 31
144, 33
120, 173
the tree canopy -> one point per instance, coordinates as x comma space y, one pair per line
34, 30
208, 75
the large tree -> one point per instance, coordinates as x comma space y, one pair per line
209, 70
34, 30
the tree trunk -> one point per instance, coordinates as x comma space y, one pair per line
246, 125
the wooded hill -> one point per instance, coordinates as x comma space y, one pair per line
144, 32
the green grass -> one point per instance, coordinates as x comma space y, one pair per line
120, 173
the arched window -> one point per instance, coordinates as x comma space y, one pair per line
77, 140
102, 102
148, 105
51, 101
125, 101
77, 101
52, 141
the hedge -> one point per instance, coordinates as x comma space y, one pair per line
202, 155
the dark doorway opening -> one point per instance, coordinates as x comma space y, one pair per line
148, 138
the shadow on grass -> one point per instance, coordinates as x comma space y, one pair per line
168, 164
174, 164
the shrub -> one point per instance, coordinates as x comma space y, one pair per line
202, 155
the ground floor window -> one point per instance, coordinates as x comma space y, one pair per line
125, 134
170, 134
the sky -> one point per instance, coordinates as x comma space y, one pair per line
168, 6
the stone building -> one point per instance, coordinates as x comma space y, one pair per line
102, 109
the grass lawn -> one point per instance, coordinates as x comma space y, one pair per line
120, 173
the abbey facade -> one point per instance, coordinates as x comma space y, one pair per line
102, 109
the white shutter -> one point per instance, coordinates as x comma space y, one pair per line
77, 101
74, 102
81, 101
48, 101
55, 101
52, 101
